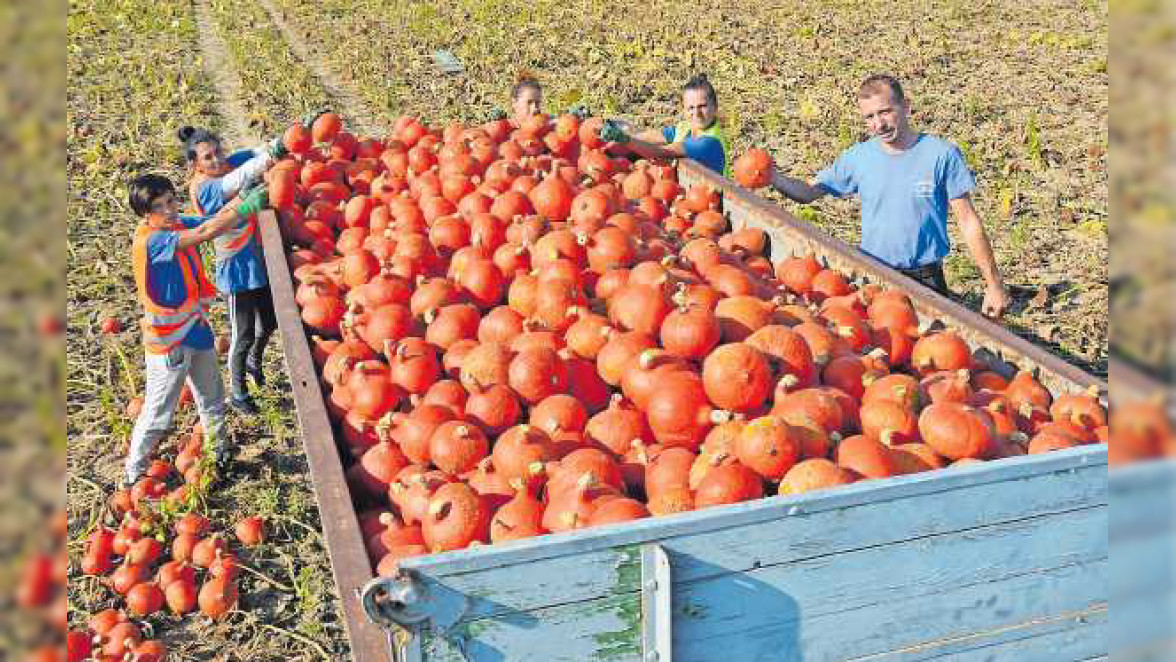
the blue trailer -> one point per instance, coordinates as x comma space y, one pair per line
993, 561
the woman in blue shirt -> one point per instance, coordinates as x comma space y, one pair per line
240, 268
526, 99
698, 136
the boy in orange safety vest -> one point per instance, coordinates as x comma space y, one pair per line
176, 294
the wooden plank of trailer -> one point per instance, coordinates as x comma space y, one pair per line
929, 564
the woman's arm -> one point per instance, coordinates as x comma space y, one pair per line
653, 136
650, 144
226, 218
653, 150
244, 175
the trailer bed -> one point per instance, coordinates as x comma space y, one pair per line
1000, 560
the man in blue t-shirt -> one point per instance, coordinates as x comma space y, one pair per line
907, 182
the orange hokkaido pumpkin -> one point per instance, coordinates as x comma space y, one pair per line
736, 377
956, 430
753, 168
768, 446
814, 474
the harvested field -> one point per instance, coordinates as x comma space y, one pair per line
1022, 89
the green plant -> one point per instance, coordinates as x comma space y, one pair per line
1033, 141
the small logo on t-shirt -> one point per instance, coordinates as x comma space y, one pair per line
924, 188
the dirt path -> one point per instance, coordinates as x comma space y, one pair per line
349, 103
223, 74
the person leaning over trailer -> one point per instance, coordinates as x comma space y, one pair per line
240, 269
526, 99
175, 293
699, 136
907, 182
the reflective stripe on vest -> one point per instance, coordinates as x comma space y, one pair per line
232, 241
164, 327
235, 240
715, 130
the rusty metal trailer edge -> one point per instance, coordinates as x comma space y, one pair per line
349, 562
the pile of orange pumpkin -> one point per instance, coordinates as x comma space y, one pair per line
151, 567
518, 333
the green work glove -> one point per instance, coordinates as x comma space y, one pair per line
612, 132
496, 115
276, 148
309, 118
580, 111
253, 201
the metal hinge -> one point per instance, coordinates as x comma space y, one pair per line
657, 615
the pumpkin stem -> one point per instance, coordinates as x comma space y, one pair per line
788, 382
647, 357
436, 507
639, 447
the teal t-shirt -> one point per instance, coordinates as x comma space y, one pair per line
904, 196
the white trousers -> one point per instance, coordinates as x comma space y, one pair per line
166, 374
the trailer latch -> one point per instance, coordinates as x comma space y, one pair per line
393, 601
406, 601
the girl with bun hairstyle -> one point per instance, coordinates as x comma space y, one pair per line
240, 269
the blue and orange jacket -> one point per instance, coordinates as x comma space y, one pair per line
165, 327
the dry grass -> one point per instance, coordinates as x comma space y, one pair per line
1143, 275
1021, 88
32, 373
